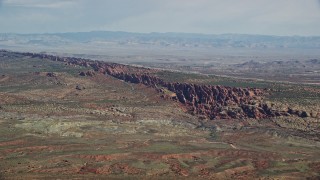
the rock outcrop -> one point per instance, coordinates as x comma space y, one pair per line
51, 74
214, 102
88, 73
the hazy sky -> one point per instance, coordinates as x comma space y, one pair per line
276, 17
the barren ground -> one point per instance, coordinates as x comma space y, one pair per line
73, 127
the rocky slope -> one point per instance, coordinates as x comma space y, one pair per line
214, 102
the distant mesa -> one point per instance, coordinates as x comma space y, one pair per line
167, 39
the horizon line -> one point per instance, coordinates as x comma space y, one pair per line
147, 33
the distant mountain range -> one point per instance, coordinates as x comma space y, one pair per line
164, 40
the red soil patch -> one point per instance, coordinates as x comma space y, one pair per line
315, 166
181, 156
104, 170
203, 170
32, 149
97, 106
228, 153
151, 156
261, 163
177, 169
10, 98
124, 168
57, 170
12, 143
110, 157
242, 154
118, 168
87, 169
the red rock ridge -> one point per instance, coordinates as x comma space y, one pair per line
214, 102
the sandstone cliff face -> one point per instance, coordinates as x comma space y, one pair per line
214, 102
